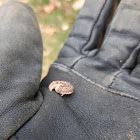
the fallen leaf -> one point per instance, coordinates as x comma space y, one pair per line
49, 8
65, 27
47, 51
67, 8
78, 4
48, 30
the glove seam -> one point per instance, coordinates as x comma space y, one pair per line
122, 67
93, 29
70, 46
115, 77
123, 94
124, 5
84, 56
112, 32
115, 32
77, 61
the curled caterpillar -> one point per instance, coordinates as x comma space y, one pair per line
61, 87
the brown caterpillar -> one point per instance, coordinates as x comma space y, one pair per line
61, 87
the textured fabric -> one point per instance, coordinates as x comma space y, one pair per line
105, 104
20, 67
91, 112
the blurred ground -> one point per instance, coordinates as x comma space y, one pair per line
55, 18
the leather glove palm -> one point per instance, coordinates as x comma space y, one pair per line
105, 102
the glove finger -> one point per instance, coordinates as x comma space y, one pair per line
122, 37
21, 62
87, 29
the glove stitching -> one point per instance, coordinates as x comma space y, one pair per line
78, 35
115, 32
115, 76
93, 28
112, 32
130, 7
122, 67
86, 17
82, 36
123, 94
88, 39
70, 46
77, 61
92, 19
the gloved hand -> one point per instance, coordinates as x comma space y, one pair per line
105, 103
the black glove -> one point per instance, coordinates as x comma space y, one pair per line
20, 66
105, 103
